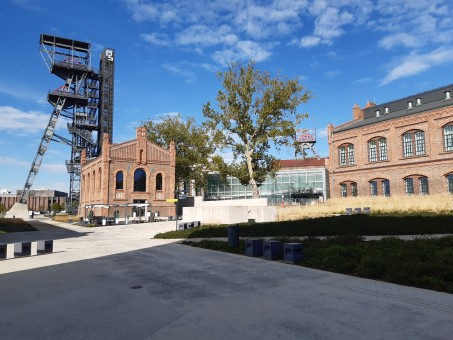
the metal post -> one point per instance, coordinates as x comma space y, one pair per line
176, 214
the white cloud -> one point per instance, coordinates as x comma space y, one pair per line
414, 23
22, 92
180, 71
309, 41
10, 161
237, 30
399, 39
201, 35
417, 63
142, 11
244, 50
54, 168
259, 21
156, 39
332, 18
15, 121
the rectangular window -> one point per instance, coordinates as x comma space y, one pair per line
424, 190
448, 138
354, 189
383, 156
342, 156
372, 151
343, 190
407, 145
409, 185
386, 188
373, 188
450, 184
419, 143
351, 154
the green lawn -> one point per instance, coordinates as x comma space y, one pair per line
11, 225
360, 224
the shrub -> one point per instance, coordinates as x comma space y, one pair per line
11, 225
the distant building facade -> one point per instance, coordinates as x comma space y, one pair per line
134, 177
38, 200
403, 147
297, 181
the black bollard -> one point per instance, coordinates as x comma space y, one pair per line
233, 236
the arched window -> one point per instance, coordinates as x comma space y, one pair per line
380, 186
348, 188
414, 140
377, 149
159, 182
100, 179
416, 184
346, 154
119, 180
448, 137
140, 180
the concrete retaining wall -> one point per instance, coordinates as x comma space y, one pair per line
229, 214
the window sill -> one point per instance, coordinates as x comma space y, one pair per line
377, 162
413, 157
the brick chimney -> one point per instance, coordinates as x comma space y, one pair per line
83, 157
357, 112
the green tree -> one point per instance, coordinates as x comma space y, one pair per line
255, 113
2, 209
195, 146
57, 207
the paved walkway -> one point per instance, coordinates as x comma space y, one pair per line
116, 282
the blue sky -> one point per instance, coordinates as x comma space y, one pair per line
168, 54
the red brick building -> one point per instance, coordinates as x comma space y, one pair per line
134, 177
404, 147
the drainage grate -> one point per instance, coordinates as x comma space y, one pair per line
136, 287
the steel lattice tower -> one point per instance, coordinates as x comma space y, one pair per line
85, 100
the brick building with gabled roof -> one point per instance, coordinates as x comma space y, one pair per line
133, 178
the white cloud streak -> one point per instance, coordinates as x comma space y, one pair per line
15, 121
416, 63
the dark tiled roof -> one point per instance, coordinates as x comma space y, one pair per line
302, 163
430, 100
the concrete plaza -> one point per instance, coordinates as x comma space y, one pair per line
117, 282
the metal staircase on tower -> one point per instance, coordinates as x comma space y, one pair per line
78, 100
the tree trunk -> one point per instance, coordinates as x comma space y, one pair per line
256, 190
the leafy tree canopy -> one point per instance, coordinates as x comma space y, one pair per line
255, 113
195, 146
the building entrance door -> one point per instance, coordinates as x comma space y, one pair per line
138, 211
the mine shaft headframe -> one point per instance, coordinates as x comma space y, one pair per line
306, 139
61, 54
